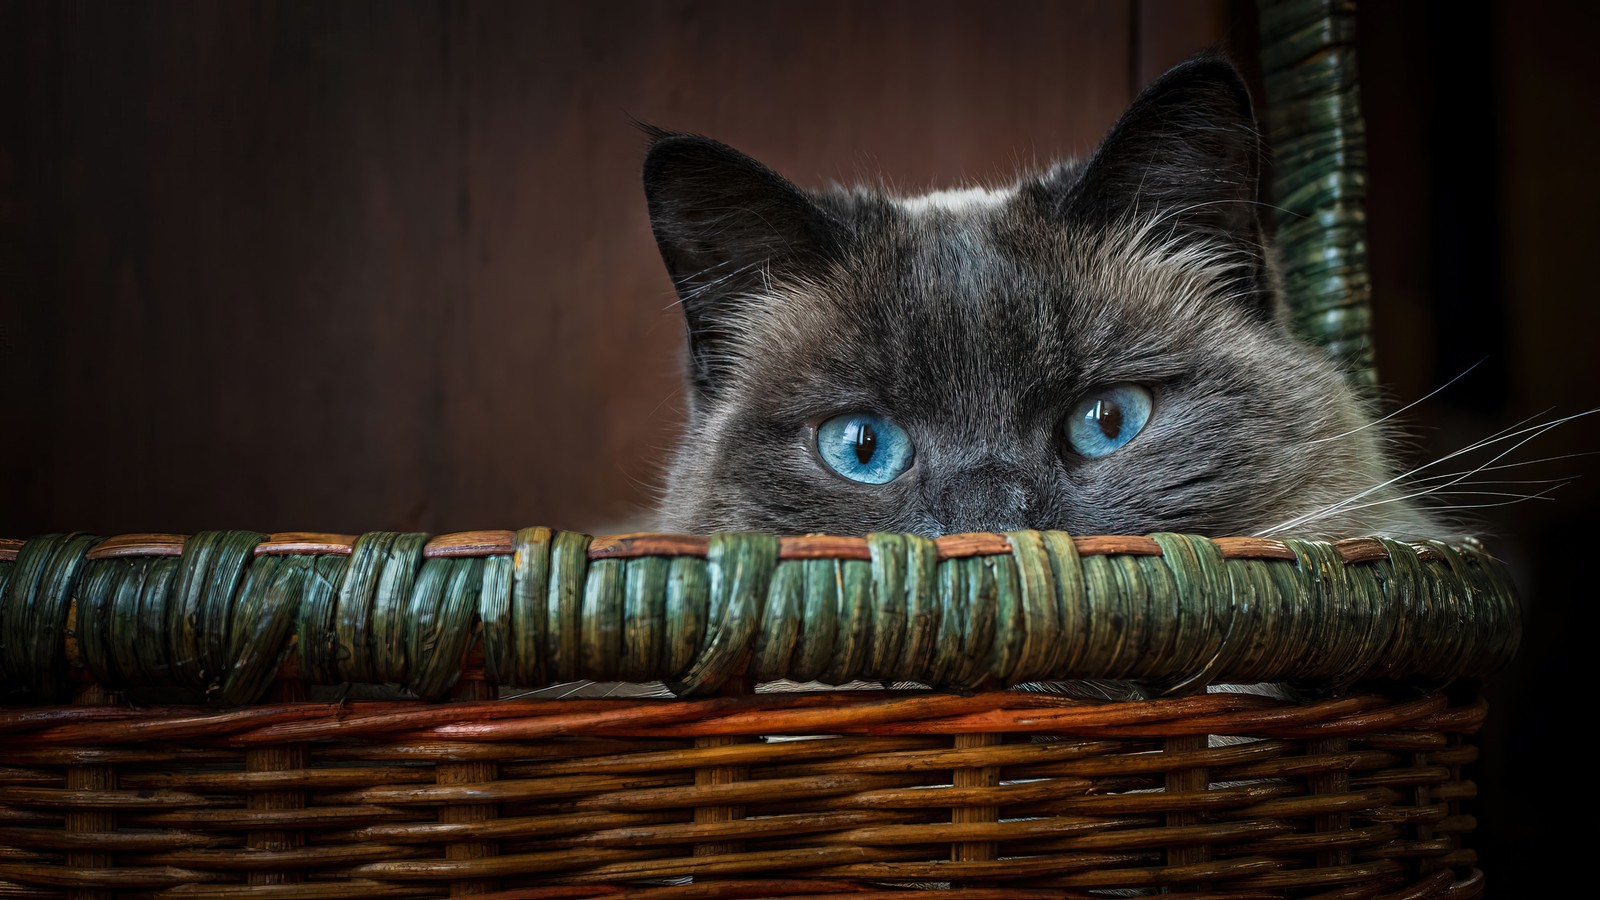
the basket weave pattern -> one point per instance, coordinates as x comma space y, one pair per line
393, 799
1000, 793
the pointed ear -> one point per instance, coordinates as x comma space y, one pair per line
1186, 155
726, 225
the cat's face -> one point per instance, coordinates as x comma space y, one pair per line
1098, 348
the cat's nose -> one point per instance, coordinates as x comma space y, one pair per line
985, 497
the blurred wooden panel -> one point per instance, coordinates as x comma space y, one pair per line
1400, 193
1170, 31
350, 266
1546, 137
1548, 142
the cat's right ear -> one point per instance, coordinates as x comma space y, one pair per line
1186, 156
727, 226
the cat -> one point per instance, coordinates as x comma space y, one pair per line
1100, 347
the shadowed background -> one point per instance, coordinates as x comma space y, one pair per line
361, 266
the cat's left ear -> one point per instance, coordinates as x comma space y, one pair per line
1186, 156
726, 225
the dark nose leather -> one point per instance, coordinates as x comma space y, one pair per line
986, 497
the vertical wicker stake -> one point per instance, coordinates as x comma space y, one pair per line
1186, 780
1336, 782
277, 758
981, 776
1446, 831
712, 775
91, 821
1319, 175
472, 686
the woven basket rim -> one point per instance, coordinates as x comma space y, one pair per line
229, 612
626, 545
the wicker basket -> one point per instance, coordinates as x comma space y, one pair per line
235, 714
1354, 790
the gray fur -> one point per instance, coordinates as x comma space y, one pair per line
977, 321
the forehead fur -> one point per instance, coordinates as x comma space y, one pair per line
988, 286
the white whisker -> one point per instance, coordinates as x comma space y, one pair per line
1450, 475
1519, 432
1435, 392
1515, 498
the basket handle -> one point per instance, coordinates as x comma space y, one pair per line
1319, 175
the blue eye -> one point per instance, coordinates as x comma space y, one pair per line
863, 447
1107, 418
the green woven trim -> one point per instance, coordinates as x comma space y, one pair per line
1173, 614
1319, 175
263, 623
739, 568
34, 608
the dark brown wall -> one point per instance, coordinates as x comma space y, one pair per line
350, 266
360, 266
1484, 128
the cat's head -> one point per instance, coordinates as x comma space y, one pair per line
1097, 348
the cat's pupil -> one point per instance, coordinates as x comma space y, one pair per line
866, 442
1108, 416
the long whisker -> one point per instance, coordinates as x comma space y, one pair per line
1375, 422
1515, 498
1532, 432
1347, 503
1450, 475
1521, 436
1516, 465
1518, 495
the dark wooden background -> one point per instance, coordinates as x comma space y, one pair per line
358, 266
349, 266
